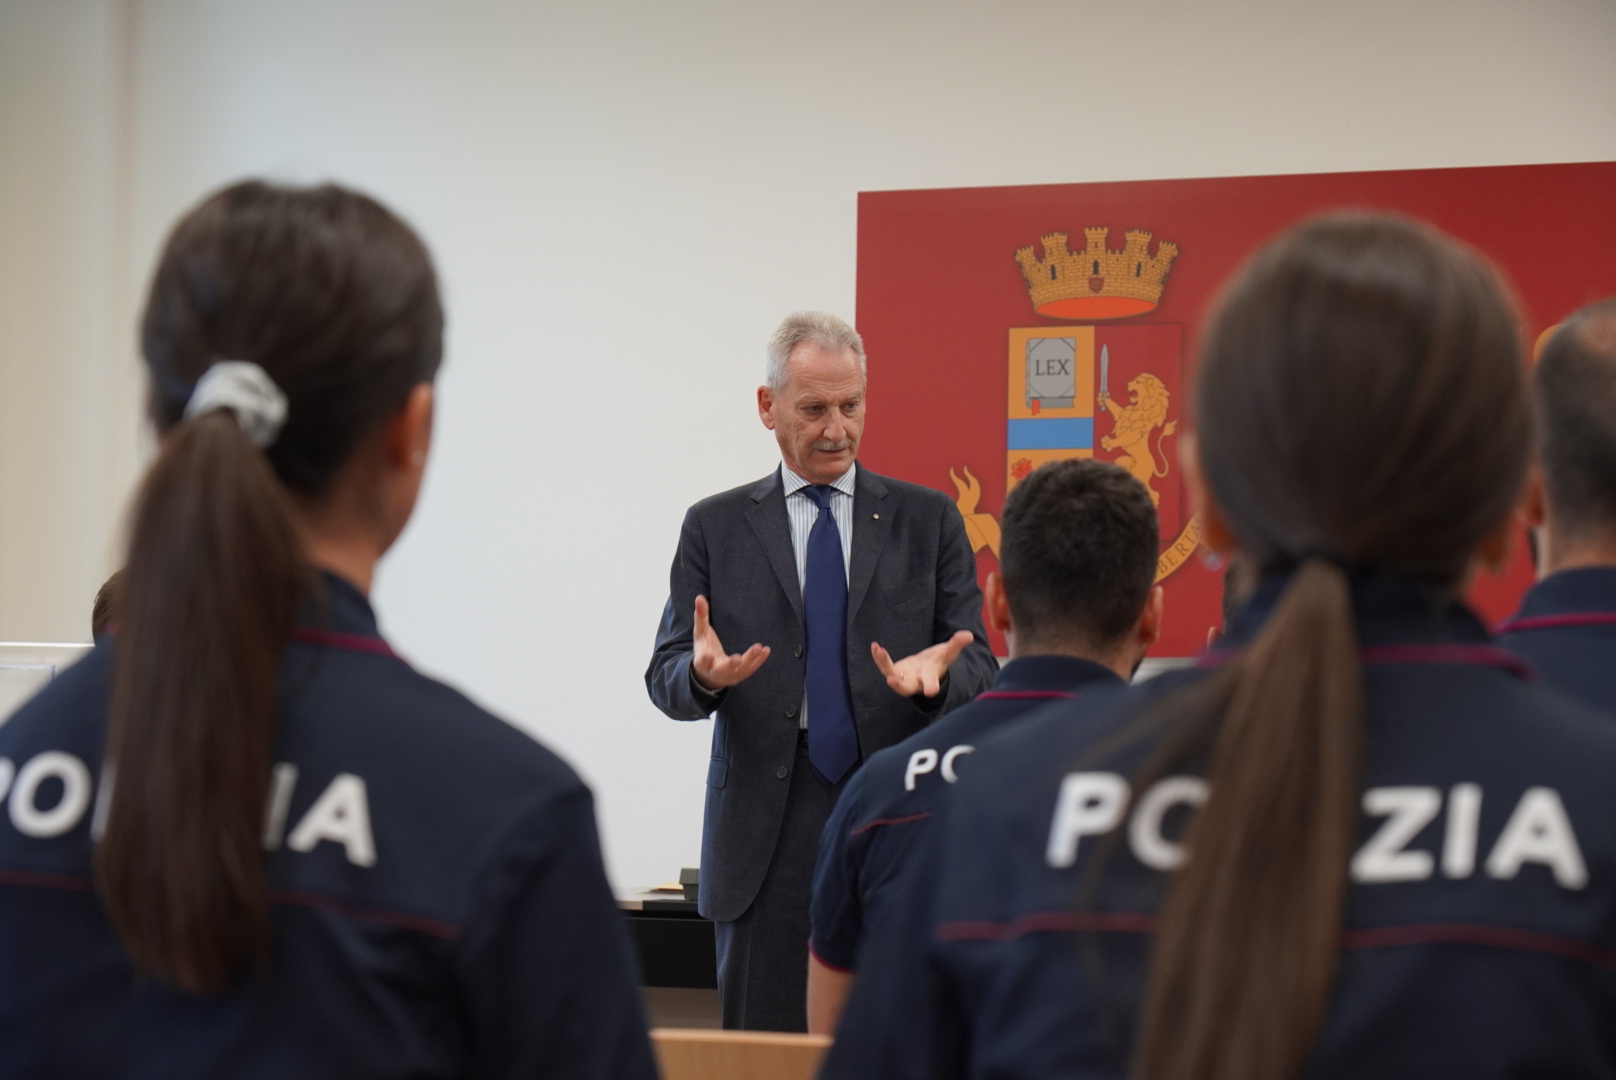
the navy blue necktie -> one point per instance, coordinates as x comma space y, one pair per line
832, 739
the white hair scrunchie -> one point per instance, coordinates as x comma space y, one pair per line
246, 390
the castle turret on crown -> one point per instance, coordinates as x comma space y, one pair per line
1096, 283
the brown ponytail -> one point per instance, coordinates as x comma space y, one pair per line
336, 300
215, 570
1360, 393
1271, 848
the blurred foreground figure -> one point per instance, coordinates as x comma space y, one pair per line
1355, 842
1566, 626
245, 839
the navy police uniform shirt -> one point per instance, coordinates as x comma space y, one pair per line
1566, 629
439, 904
1479, 935
868, 837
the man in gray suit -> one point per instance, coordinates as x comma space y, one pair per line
825, 572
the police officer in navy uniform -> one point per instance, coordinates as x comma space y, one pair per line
1078, 610
1357, 841
1566, 627
242, 838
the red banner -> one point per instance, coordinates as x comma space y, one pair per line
1026, 324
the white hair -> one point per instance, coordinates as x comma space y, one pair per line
819, 327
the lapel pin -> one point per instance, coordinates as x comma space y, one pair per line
877, 517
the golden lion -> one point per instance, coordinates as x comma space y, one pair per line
1131, 428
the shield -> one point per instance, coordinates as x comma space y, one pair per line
1106, 392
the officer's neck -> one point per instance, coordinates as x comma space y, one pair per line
1562, 549
1120, 660
350, 527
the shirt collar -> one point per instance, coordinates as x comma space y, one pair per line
793, 483
1586, 589
1053, 673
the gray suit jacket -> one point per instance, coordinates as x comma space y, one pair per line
912, 584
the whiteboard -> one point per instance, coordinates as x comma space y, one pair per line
26, 668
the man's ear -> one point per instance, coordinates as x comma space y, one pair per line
408, 435
1533, 510
766, 403
996, 605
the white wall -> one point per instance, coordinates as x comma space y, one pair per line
623, 198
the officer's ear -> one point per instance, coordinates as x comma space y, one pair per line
996, 605
1533, 510
1150, 620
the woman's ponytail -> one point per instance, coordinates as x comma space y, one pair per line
214, 574
1245, 953
1360, 392
335, 300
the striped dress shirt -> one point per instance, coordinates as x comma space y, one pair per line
803, 512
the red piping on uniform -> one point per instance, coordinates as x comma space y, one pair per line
336, 639
1021, 695
1123, 922
1099, 922
868, 825
399, 919
1472, 934
1556, 622
45, 881
834, 967
387, 918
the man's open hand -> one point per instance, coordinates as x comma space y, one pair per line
713, 667
923, 672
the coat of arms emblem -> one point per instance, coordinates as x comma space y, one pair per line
1097, 388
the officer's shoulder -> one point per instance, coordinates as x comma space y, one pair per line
1080, 732
71, 708
455, 736
890, 761
1561, 715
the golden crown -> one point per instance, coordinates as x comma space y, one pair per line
1096, 283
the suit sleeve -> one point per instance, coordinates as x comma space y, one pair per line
668, 678
546, 968
959, 607
902, 1018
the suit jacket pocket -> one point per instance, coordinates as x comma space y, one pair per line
717, 772
912, 595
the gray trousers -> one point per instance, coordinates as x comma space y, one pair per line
763, 955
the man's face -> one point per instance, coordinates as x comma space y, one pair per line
818, 416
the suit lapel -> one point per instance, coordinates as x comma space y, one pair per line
768, 520
872, 517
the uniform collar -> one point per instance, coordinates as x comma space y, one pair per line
1052, 674
1386, 610
1586, 589
791, 483
345, 610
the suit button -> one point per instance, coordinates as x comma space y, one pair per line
799, 652
791, 710
781, 772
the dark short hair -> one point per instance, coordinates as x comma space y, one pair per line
1078, 553
104, 612
1576, 414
